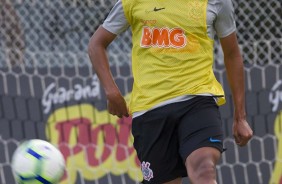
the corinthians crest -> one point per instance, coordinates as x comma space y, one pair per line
196, 8
146, 171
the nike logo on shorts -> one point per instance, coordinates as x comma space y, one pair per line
214, 140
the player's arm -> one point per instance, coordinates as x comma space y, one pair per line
105, 34
98, 56
235, 74
226, 30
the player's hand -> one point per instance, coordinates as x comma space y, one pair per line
242, 132
117, 105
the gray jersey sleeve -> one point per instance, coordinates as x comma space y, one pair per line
225, 20
116, 22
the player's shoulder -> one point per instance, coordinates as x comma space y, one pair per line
220, 3
218, 6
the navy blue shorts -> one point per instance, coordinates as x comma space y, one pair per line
165, 136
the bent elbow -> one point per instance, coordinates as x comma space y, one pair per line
91, 45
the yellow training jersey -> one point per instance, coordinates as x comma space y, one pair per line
172, 54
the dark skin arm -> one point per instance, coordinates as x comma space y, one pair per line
98, 56
235, 74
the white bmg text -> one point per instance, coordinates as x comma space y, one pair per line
275, 95
58, 95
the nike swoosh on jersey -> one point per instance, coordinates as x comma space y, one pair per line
158, 9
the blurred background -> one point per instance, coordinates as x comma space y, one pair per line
49, 91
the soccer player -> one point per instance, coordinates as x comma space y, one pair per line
175, 97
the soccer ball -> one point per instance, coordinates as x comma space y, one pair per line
37, 162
